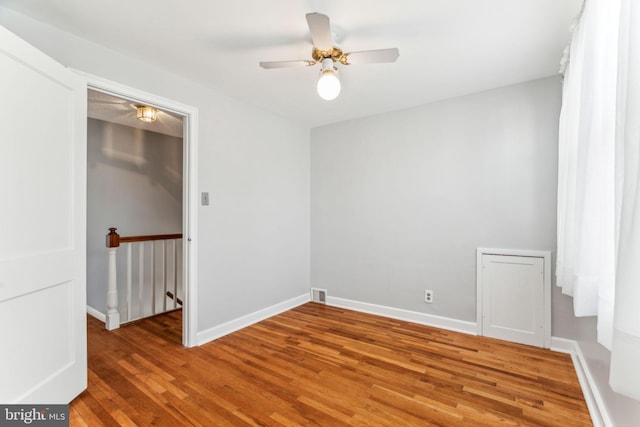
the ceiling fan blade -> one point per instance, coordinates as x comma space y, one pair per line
285, 64
372, 56
320, 29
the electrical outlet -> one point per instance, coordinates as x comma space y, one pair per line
428, 296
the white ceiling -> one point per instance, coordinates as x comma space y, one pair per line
447, 47
122, 111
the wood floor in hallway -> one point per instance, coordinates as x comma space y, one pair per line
317, 365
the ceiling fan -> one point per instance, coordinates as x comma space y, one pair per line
328, 55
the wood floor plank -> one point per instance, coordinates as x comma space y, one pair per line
317, 365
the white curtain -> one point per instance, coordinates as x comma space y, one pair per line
625, 354
586, 169
599, 181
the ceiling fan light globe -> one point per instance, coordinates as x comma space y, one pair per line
328, 85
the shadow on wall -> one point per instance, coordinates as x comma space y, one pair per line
156, 156
134, 183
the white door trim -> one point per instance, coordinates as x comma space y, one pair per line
546, 255
189, 186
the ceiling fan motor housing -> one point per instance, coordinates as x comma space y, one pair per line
335, 54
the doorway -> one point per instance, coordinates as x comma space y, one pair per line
174, 119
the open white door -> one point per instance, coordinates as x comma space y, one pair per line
43, 356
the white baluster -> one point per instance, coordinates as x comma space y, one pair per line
141, 280
164, 275
175, 274
153, 277
113, 316
129, 282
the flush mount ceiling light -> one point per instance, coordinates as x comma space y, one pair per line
328, 82
146, 114
324, 52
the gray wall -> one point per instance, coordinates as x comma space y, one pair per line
624, 412
253, 239
134, 183
401, 201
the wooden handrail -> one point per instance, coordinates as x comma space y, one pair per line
130, 239
114, 239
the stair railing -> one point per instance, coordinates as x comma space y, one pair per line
145, 307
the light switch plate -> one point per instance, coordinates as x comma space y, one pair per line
204, 198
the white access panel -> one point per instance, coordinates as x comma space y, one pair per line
513, 296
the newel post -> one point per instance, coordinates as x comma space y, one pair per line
113, 316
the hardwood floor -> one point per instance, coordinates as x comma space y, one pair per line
321, 366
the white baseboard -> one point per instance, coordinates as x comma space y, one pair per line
563, 345
96, 313
226, 328
597, 409
407, 315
